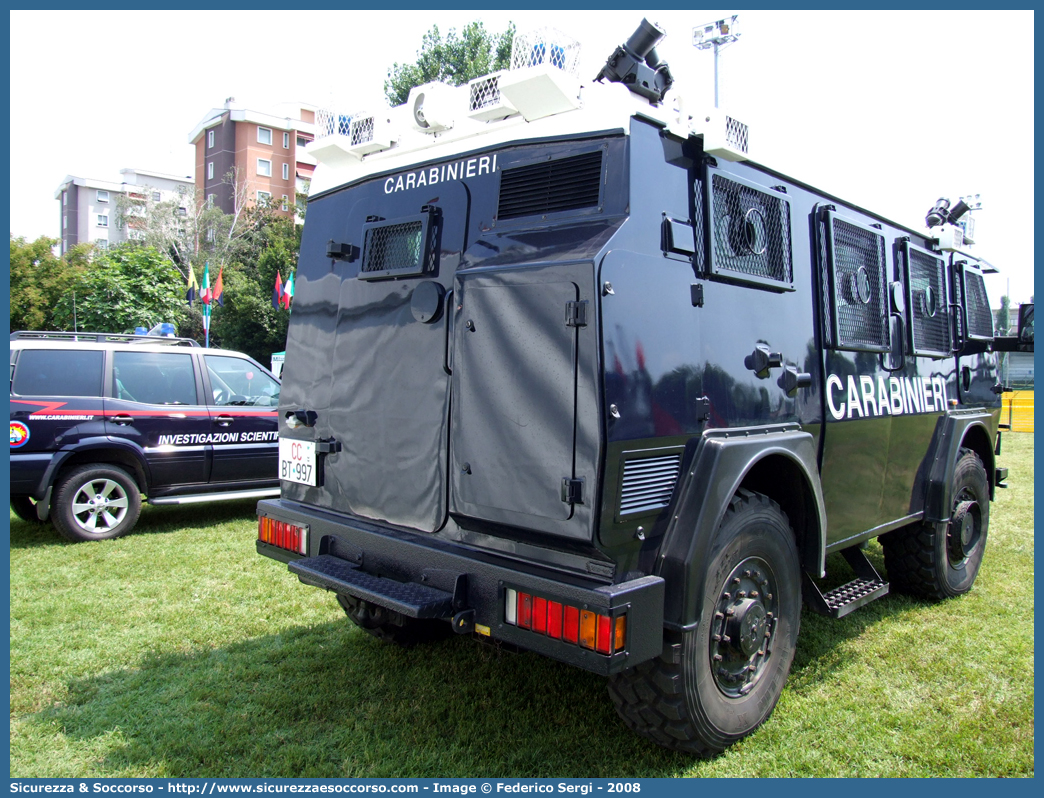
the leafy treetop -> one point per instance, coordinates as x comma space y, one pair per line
456, 59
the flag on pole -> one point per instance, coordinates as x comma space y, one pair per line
206, 293
288, 290
193, 286
219, 287
277, 292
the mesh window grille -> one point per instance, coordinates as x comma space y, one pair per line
929, 312
751, 232
698, 259
362, 130
956, 277
737, 134
980, 317
858, 262
564, 184
485, 93
397, 249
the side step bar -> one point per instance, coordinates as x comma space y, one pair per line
195, 498
407, 598
867, 586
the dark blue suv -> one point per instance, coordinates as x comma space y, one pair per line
99, 420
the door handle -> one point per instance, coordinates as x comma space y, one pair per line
223, 420
122, 419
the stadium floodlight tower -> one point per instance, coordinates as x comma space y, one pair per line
716, 35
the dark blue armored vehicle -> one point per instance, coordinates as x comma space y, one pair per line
568, 371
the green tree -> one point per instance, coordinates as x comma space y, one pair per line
1004, 315
119, 289
38, 278
455, 59
247, 322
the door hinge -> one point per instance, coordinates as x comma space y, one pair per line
702, 408
576, 313
573, 490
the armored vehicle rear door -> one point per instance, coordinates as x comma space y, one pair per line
368, 354
520, 343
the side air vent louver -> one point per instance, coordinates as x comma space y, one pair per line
648, 483
565, 184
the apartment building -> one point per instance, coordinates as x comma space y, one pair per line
258, 154
89, 206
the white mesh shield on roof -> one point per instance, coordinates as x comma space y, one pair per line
546, 46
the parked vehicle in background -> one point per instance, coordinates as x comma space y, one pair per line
101, 421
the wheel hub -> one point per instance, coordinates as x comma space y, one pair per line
964, 532
742, 627
99, 505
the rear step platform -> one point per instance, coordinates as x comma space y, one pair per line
407, 598
867, 586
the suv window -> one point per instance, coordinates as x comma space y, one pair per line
235, 381
154, 378
58, 372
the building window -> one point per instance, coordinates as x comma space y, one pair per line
210, 234
103, 220
286, 171
102, 243
303, 142
286, 203
65, 222
103, 196
210, 171
264, 167
264, 135
263, 197
182, 211
210, 200
156, 197
210, 138
286, 141
65, 197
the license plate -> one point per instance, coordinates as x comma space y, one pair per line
297, 461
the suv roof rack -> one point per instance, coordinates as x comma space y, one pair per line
101, 338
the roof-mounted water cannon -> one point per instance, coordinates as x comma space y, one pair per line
637, 65
957, 223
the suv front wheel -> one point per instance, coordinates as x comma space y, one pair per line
96, 502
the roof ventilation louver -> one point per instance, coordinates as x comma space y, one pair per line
564, 184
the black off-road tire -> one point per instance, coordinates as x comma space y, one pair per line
926, 561
686, 701
390, 626
96, 502
25, 509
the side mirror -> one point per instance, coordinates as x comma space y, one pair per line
1026, 326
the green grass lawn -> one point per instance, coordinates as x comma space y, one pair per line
179, 652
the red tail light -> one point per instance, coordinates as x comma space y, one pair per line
540, 615
282, 534
585, 628
554, 619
